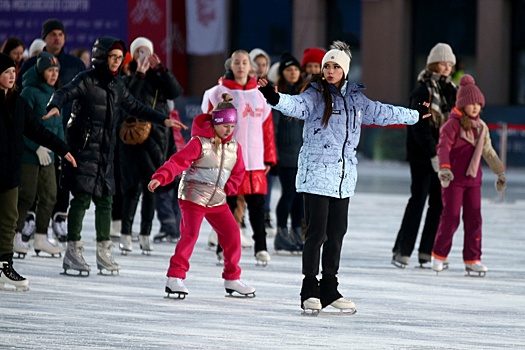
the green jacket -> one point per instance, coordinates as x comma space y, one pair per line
37, 93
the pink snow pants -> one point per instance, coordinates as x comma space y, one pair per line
222, 221
454, 197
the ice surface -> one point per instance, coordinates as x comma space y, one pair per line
397, 308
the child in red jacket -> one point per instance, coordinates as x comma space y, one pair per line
463, 139
212, 168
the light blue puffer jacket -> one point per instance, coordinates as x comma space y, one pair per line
327, 161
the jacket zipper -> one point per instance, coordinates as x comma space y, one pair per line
219, 175
344, 147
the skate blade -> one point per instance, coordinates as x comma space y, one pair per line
288, 252
19, 256
14, 289
101, 273
424, 267
475, 274
79, 274
398, 264
341, 312
125, 252
50, 256
235, 294
310, 312
146, 252
176, 295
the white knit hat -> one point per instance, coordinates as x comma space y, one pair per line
441, 53
141, 41
37, 45
340, 57
260, 52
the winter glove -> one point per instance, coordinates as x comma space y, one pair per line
43, 156
269, 94
501, 182
435, 163
445, 176
422, 109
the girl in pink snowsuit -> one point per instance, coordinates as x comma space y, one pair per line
212, 168
463, 139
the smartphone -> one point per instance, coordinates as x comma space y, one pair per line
142, 54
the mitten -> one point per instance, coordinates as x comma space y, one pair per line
501, 182
43, 156
435, 163
269, 94
445, 176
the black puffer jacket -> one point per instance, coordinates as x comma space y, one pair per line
17, 119
92, 130
139, 162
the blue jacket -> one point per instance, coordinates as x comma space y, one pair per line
327, 161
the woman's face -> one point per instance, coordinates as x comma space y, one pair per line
7, 78
444, 68
472, 110
291, 74
333, 73
312, 68
115, 58
16, 53
51, 75
241, 65
86, 58
224, 130
262, 66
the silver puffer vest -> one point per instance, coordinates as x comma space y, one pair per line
203, 183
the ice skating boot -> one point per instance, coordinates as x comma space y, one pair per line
220, 258
29, 227
19, 246
74, 259
9, 276
212, 239
166, 237
105, 259
284, 242
297, 235
437, 265
125, 244
311, 306
145, 244
114, 233
239, 287
344, 305
59, 226
42, 244
400, 261
176, 286
478, 269
262, 257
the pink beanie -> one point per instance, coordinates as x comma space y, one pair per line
224, 116
468, 92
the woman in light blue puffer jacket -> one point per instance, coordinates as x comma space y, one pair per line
333, 111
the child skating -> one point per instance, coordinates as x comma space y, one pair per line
212, 168
333, 111
463, 139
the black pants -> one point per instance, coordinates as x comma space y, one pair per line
129, 207
62, 202
291, 202
255, 203
326, 225
425, 183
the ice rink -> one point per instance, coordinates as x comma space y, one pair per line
396, 308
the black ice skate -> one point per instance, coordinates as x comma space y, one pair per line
176, 286
9, 276
166, 237
74, 260
285, 243
238, 286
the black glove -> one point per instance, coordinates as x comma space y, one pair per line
269, 94
422, 109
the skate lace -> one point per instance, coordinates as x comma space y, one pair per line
29, 228
11, 273
79, 250
108, 252
180, 283
60, 228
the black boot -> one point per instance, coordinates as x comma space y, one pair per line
328, 288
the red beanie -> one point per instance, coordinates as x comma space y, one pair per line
468, 92
117, 46
312, 54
